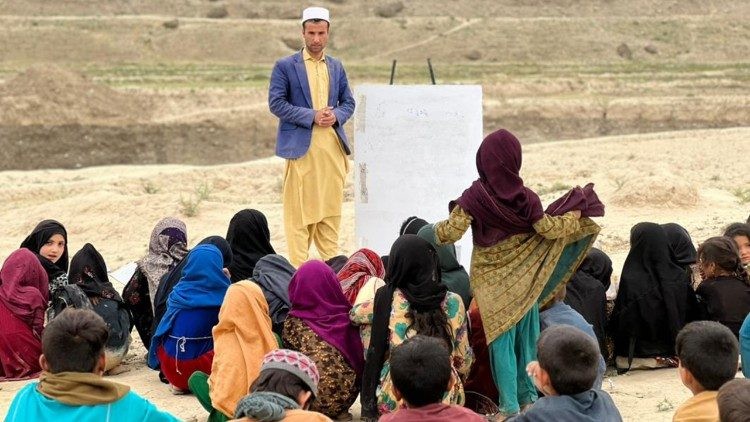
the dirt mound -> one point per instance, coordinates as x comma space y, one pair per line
658, 190
50, 95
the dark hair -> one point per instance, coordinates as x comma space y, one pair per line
74, 340
315, 21
734, 400
412, 225
723, 252
282, 382
709, 351
737, 229
570, 357
421, 370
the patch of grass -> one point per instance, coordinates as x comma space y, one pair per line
556, 187
715, 178
150, 188
619, 182
203, 191
664, 406
190, 206
743, 194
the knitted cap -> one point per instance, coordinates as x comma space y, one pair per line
295, 363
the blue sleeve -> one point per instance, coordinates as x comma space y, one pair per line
278, 100
148, 411
745, 346
345, 107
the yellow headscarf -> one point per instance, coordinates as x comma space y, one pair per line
241, 339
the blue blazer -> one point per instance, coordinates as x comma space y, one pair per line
289, 99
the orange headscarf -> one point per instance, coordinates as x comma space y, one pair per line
241, 339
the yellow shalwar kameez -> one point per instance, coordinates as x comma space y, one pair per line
314, 183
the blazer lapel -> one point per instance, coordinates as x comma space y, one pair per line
299, 65
333, 83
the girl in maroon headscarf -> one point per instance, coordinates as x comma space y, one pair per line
522, 255
24, 291
318, 326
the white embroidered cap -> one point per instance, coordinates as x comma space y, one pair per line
316, 13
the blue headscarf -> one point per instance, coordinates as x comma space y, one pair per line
203, 285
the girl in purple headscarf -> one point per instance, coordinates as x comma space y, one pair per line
522, 255
318, 326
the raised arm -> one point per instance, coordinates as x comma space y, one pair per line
278, 100
555, 227
452, 229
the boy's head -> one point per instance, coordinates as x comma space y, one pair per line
708, 353
289, 373
421, 370
74, 342
568, 359
734, 400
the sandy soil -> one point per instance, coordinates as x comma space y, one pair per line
689, 177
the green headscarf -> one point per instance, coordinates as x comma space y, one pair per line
454, 275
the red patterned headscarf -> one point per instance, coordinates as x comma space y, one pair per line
362, 265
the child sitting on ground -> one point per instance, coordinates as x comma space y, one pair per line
421, 375
565, 372
71, 387
734, 401
284, 390
560, 313
708, 354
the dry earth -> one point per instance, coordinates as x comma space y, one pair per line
689, 177
550, 70
140, 83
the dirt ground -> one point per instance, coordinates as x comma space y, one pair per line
115, 114
687, 177
143, 82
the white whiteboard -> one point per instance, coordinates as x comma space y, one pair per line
415, 149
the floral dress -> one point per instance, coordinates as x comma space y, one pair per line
400, 330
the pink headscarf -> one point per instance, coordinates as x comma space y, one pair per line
24, 288
317, 299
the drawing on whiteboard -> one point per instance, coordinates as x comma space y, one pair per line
416, 152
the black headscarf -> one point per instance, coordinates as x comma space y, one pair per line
337, 263
250, 240
587, 292
653, 300
39, 237
170, 279
412, 225
413, 268
89, 272
681, 246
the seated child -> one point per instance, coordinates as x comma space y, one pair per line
734, 401
421, 374
708, 354
724, 293
740, 233
71, 388
565, 372
285, 389
560, 313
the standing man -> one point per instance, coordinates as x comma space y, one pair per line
310, 95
